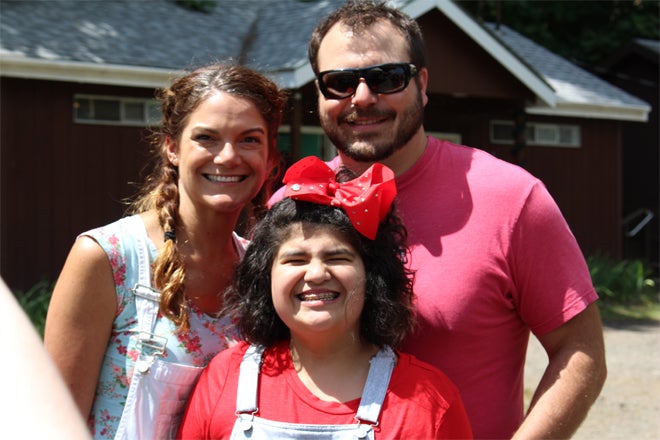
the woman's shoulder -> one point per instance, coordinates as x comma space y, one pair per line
120, 242
224, 368
273, 358
232, 355
123, 229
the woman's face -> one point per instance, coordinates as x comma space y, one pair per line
222, 154
318, 283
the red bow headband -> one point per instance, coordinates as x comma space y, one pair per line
366, 200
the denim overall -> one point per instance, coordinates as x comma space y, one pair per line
158, 392
250, 426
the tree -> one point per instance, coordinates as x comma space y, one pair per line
584, 32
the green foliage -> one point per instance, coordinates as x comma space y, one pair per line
585, 32
35, 303
626, 289
623, 282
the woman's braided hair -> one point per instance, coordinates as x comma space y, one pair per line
161, 191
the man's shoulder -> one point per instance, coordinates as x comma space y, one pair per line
480, 160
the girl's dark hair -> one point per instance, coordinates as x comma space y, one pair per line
388, 314
161, 191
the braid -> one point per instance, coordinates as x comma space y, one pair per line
169, 270
160, 191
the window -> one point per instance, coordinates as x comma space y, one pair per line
455, 138
313, 142
114, 110
538, 134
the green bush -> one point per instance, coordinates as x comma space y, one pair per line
35, 303
622, 282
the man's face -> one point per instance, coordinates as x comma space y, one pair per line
368, 126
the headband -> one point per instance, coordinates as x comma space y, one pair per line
366, 199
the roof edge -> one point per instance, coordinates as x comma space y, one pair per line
500, 52
418, 8
292, 77
80, 72
620, 113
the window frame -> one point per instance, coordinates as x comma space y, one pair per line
150, 113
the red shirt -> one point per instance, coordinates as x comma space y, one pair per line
493, 259
421, 402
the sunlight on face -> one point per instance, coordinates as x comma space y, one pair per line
222, 154
318, 282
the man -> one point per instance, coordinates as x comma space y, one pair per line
493, 256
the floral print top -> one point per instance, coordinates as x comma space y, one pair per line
207, 335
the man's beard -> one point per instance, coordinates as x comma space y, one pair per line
367, 148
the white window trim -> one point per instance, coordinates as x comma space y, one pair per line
574, 142
123, 120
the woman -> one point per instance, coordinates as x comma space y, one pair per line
321, 298
133, 317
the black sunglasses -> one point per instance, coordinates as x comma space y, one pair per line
382, 78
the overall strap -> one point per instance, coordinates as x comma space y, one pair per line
248, 380
146, 298
150, 346
378, 379
375, 389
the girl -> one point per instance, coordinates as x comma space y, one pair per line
322, 297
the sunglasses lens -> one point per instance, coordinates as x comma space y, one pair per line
340, 85
386, 79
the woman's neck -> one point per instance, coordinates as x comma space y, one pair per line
334, 372
208, 274
209, 254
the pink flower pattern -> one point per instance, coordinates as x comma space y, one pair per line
207, 335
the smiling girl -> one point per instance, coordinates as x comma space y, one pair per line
322, 298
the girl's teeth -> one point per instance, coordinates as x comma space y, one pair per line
317, 296
224, 179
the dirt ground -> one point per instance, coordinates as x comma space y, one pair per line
629, 405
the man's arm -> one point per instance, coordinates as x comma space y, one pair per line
572, 381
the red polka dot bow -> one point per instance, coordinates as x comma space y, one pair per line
366, 199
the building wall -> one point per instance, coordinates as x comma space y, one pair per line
58, 178
460, 67
585, 181
637, 71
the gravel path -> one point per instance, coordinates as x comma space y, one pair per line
629, 406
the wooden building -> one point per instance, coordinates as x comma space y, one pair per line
635, 68
77, 81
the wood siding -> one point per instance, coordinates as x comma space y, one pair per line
59, 178
584, 181
458, 66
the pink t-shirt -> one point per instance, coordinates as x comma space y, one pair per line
494, 259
